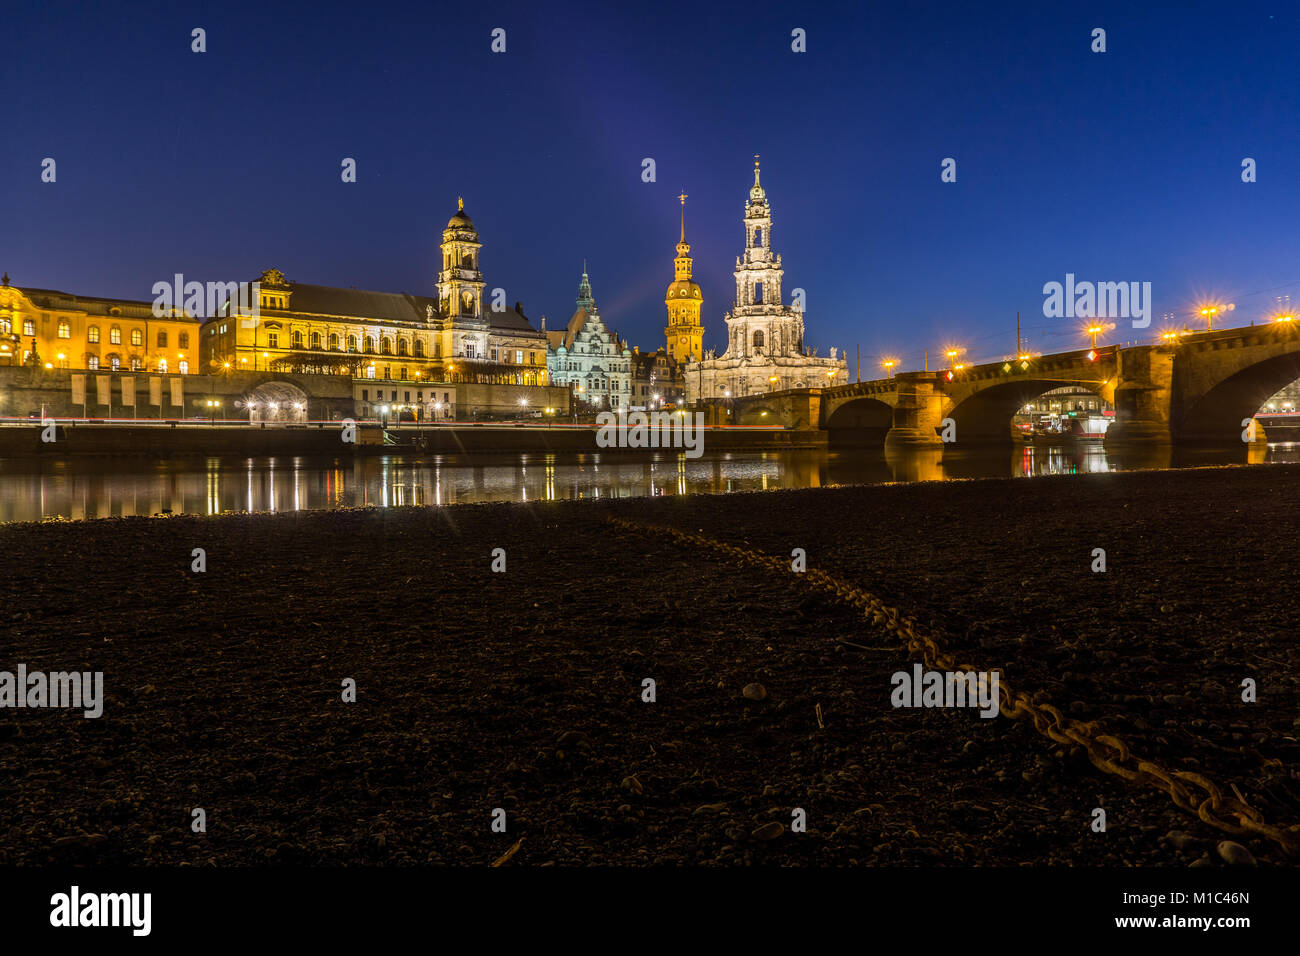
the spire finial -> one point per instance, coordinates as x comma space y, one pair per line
756, 169
682, 197
460, 204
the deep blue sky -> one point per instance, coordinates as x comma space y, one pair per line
1116, 166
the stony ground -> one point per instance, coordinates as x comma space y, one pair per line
522, 690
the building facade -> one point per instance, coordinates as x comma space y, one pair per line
765, 338
405, 344
49, 329
657, 381
590, 358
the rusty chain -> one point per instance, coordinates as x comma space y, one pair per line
1189, 791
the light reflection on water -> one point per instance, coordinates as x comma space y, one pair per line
95, 488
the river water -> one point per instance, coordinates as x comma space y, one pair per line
35, 489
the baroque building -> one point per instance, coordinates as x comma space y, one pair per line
765, 338
420, 344
589, 357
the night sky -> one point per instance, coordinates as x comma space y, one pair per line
1122, 166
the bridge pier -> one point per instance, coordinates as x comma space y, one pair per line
918, 413
1143, 397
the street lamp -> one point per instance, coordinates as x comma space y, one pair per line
1094, 331
888, 365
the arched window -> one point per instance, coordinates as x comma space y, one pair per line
758, 236
92, 362
334, 341
402, 348
162, 338
315, 340
137, 337
419, 348
386, 346
92, 333
114, 362
297, 338
65, 330
115, 335
370, 344
758, 340
183, 340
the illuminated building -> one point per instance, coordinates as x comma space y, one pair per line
451, 337
684, 334
57, 330
589, 357
765, 338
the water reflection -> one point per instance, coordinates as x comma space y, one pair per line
91, 488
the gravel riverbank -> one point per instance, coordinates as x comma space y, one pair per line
522, 690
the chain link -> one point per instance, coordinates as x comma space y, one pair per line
1189, 791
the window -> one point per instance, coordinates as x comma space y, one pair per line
492, 353
758, 292
370, 345
403, 376
183, 367
115, 335
402, 347
162, 365
758, 236
370, 371
388, 373
334, 341
406, 396
29, 326
297, 338
365, 394
5, 325
137, 363
352, 343
92, 334
386, 346
419, 348
162, 339
183, 340
469, 350
758, 339
519, 356
273, 339
65, 330
92, 362
137, 337
315, 340
114, 362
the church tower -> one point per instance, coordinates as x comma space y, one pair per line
685, 335
758, 324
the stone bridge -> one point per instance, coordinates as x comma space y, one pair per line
1196, 390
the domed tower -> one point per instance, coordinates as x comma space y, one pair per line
461, 327
460, 284
683, 300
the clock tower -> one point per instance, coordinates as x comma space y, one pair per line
685, 335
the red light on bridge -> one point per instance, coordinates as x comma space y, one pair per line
1092, 355
950, 375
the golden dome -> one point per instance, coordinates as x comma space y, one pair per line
460, 220
683, 289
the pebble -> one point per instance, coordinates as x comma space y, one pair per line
1234, 854
633, 784
769, 831
1183, 841
754, 692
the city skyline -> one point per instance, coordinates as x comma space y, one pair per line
892, 259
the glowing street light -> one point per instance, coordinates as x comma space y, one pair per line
888, 365
1093, 331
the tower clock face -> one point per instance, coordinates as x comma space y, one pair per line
682, 340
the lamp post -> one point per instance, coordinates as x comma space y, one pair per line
888, 365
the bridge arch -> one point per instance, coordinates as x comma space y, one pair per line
860, 421
984, 415
1215, 415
